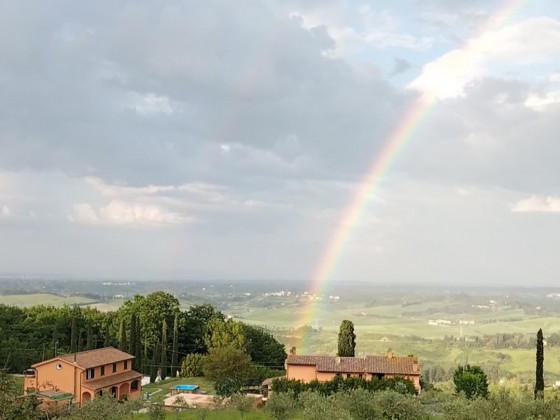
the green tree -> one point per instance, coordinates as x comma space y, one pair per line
539, 381
151, 310
73, 336
393, 405
193, 365
471, 380
132, 342
138, 347
346, 339
156, 411
122, 336
175, 350
107, 335
282, 405
226, 387
263, 348
359, 403
197, 317
227, 363
224, 334
163, 364
242, 403
154, 365
89, 338
318, 407
12, 406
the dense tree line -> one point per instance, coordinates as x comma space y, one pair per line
153, 328
340, 384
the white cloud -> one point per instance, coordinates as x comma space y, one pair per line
123, 213
112, 190
541, 102
531, 42
152, 104
119, 212
536, 204
83, 213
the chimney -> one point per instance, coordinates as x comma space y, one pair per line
415, 364
74, 357
390, 354
337, 360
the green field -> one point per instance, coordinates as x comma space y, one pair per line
406, 330
43, 299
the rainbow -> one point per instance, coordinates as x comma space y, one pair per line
392, 149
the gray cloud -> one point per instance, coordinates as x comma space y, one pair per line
227, 141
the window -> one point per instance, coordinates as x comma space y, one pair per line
114, 367
58, 366
134, 386
125, 364
348, 375
102, 373
360, 376
90, 373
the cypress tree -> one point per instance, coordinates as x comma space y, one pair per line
138, 346
346, 339
89, 338
163, 350
107, 341
122, 336
132, 342
73, 336
154, 365
175, 354
539, 382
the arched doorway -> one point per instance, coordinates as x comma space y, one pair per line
86, 396
123, 390
114, 391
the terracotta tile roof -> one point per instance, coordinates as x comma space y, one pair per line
369, 364
93, 358
395, 365
111, 380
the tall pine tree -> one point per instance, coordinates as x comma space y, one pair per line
73, 336
107, 338
154, 366
346, 339
138, 347
163, 350
89, 338
132, 342
539, 382
122, 336
175, 354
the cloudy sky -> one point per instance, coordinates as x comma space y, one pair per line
226, 140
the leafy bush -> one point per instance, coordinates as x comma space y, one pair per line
471, 380
338, 384
281, 405
226, 387
192, 365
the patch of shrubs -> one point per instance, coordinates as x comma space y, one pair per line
339, 384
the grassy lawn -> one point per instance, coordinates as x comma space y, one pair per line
162, 389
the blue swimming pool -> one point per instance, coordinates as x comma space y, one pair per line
186, 387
